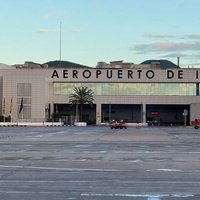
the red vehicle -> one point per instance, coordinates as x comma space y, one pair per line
116, 124
196, 123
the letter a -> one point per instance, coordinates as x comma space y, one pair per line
55, 73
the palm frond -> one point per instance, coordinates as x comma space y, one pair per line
81, 95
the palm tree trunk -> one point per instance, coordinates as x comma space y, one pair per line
81, 113
77, 113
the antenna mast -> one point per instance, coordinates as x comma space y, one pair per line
60, 41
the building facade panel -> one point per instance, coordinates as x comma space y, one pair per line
46, 91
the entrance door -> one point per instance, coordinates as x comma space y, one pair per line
129, 113
167, 114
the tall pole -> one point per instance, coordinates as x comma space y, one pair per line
77, 113
4, 109
110, 112
60, 41
22, 115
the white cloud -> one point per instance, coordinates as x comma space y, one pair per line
166, 47
76, 30
43, 31
46, 31
192, 36
185, 46
174, 55
163, 36
157, 36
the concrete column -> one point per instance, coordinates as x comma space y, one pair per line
51, 109
143, 109
98, 114
194, 111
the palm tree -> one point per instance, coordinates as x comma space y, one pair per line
81, 95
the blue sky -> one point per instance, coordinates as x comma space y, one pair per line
100, 30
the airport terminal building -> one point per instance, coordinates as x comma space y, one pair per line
134, 94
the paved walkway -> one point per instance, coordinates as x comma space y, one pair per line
97, 163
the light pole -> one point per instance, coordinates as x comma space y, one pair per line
110, 112
185, 114
77, 112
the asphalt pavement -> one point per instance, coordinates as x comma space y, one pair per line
99, 163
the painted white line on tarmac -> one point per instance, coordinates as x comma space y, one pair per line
136, 161
149, 196
28, 192
90, 181
82, 145
41, 181
60, 168
165, 170
155, 152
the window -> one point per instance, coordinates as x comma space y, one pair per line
24, 100
23, 89
126, 89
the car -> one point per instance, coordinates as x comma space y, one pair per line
196, 123
115, 124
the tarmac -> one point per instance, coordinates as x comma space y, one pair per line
99, 163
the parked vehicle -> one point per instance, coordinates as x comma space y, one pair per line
116, 124
196, 123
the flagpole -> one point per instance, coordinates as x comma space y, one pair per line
21, 109
11, 108
60, 41
4, 109
22, 115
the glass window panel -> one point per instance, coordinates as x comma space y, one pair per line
26, 112
20, 89
115, 89
27, 89
24, 89
25, 100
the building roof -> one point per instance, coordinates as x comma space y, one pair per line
163, 64
5, 66
64, 64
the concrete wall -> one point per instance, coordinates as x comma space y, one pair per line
195, 111
42, 87
38, 98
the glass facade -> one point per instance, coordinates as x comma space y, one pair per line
24, 91
126, 89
